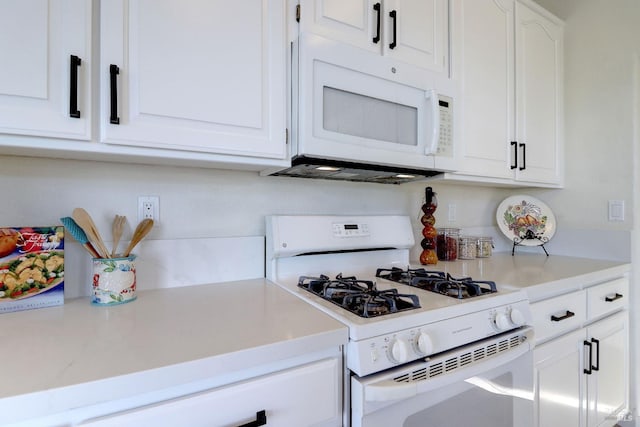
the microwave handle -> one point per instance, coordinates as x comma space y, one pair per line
432, 95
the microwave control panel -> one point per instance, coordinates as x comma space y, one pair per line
445, 141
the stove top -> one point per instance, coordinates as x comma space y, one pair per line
361, 297
438, 281
397, 315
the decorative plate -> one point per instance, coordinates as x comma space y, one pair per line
526, 220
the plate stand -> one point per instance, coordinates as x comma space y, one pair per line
530, 236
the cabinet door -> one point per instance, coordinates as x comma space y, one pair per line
417, 32
538, 93
559, 381
305, 396
411, 31
483, 61
354, 21
607, 387
37, 40
197, 75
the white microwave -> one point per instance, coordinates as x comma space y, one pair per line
361, 116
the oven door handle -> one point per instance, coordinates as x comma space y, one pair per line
389, 390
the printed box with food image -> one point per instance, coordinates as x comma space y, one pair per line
31, 268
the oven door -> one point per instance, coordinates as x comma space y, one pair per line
487, 383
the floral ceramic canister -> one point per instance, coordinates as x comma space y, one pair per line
114, 280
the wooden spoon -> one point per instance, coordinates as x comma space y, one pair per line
83, 219
140, 232
116, 230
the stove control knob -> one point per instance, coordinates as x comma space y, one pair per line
516, 316
424, 343
398, 351
502, 321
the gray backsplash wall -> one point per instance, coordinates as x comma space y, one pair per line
204, 203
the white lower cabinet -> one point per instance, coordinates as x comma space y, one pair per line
581, 377
558, 381
607, 381
308, 395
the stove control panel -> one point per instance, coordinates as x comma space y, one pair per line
375, 354
351, 229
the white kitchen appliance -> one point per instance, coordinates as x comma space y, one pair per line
361, 116
424, 348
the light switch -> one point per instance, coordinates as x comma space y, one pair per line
452, 216
616, 210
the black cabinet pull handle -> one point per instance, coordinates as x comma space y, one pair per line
566, 316
588, 370
524, 156
376, 7
113, 73
611, 299
261, 420
393, 15
75, 62
514, 164
597, 343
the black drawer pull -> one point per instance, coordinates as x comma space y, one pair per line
590, 364
394, 15
113, 73
261, 420
611, 299
566, 316
514, 164
376, 7
597, 366
75, 62
524, 156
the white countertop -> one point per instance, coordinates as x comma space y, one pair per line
77, 354
198, 332
539, 275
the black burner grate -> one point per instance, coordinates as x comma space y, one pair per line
360, 297
439, 282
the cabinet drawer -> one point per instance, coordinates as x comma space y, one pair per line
307, 395
558, 315
607, 297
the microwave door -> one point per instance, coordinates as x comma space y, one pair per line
355, 112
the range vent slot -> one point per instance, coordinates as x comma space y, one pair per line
464, 359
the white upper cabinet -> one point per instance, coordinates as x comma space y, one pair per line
196, 75
539, 74
484, 58
507, 58
45, 87
411, 31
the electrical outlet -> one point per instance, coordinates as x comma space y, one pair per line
149, 207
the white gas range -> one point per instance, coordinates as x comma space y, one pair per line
402, 334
